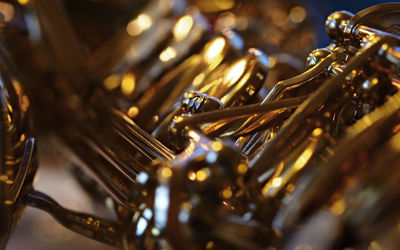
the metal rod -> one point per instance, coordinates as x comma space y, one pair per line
312, 104
239, 111
90, 226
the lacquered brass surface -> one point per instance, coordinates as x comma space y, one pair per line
18, 163
195, 136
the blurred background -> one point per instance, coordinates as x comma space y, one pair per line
39, 230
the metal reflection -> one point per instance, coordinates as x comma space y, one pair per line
178, 126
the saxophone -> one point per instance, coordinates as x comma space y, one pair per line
199, 123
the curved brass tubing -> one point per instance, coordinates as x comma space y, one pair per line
381, 17
88, 225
